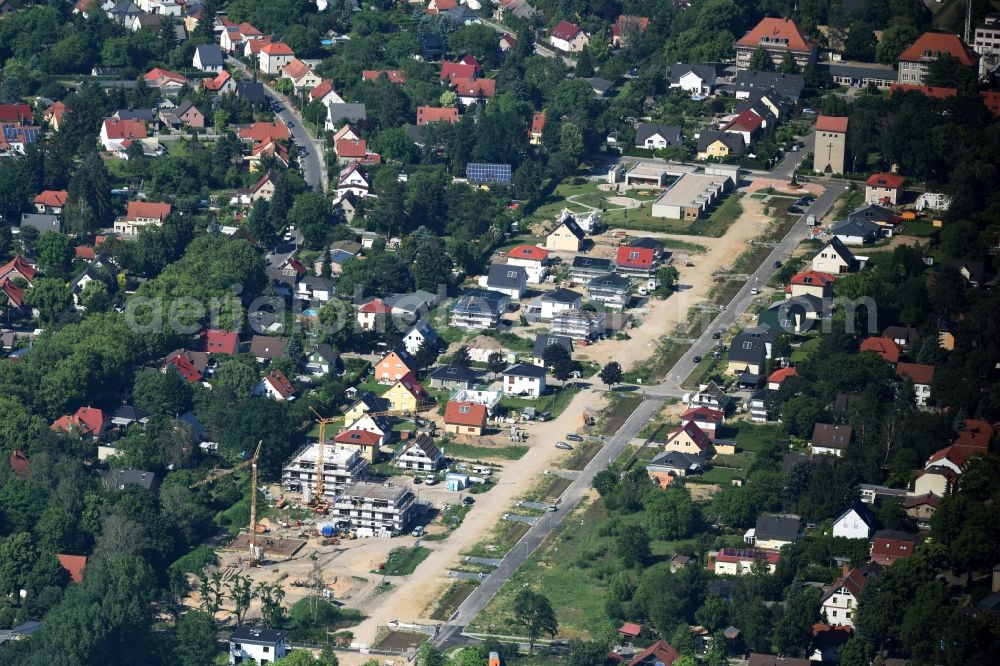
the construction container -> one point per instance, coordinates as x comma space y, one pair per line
494, 659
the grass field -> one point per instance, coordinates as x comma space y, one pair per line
641, 219
403, 561
805, 350
500, 540
453, 597
554, 400
620, 407
472, 452
582, 454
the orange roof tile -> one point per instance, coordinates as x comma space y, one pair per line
148, 209
893, 180
465, 413
431, 114
831, 124
771, 29
74, 564
932, 45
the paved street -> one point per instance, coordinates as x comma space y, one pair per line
312, 165
451, 632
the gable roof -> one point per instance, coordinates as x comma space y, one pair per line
432, 114
210, 55
280, 384
932, 45
375, 306
277, 49
660, 652
19, 265
747, 121
703, 415
454, 373
864, 513
358, 438
545, 340
570, 223
838, 246
85, 421
631, 256
918, 373
778, 32
538, 122
706, 73
54, 198
262, 131
116, 129
884, 347
644, 131
506, 275
855, 226
372, 402
74, 565
750, 345
427, 446
780, 527
525, 370
831, 436
781, 374
393, 75
561, 295
474, 87
148, 209
265, 346
565, 31
528, 252
182, 363
457, 70
465, 413
733, 142
19, 463
891, 180
975, 434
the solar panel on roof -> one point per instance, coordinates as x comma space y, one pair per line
480, 172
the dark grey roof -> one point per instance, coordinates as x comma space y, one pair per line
653, 244
133, 477
677, 460
190, 420
184, 107
425, 330
803, 303
860, 70
573, 227
251, 91
129, 413
524, 370
601, 86
432, 46
210, 55
506, 276
265, 346
315, 282
592, 263
545, 340
352, 112
782, 527
326, 352
838, 246
756, 101
145, 115
873, 212
856, 226
454, 373
375, 403
481, 301
705, 72
907, 333
41, 221
750, 346
733, 141
787, 85
831, 436
721, 587
462, 14
644, 131
561, 296
863, 511
610, 281
257, 635
975, 269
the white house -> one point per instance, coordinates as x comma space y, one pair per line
262, 645
418, 333
840, 603
568, 38
273, 57
558, 300
694, 79
834, 259
354, 180
524, 380
933, 201
534, 260
857, 522
275, 386
423, 455
373, 424
511, 281
208, 58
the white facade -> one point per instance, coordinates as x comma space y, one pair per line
536, 270
830, 261
264, 646
342, 466
851, 526
574, 45
413, 340
386, 509
550, 308
825, 451
840, 607
692, 83
273, 63
529, 387
354, 183
922, 393
933, 201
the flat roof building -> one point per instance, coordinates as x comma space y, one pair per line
383, 507
342, 466
693, 194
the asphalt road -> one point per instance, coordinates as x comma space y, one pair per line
450, 633
312, 165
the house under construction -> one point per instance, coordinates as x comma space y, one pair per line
342, 467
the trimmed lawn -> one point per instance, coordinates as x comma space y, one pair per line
554, 400
752, 436
805, 350
471, 452
721, 475
403, 561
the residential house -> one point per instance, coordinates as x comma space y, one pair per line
474, 91
407, 395
431, 114
192, 366
601, 87
115, 133
465, 418
41, 222
267, 348
186, 114
366, 402
478, 309
566, 237
886, 348
54, 115
51, 202
635, 261
325, 93
773, 531
610, 289
452, 377
420, 334
273, 58
855, 522
322, 360
830, 439
221, 84
520, 8
354, 180
342, 465
141, 214
578, 324
339, 113
777, 36
396, 76
568, 38
506, 279
584, 269
627, 27
922, 376
302, 76
760, 406
922, 508
221, 342
364, 442
545, 340
551, 303
937, 481
669, 465
165, 80
208, 58
906, 337
740, 561
840, 601
830, 146
810, 283
251, 92
713, 144
74, 565
951, 458
394, 366
747, 124
86, 422
374, 422
884, 188
709, 395
890, 545
660, 653
422, 455
525, 380
689, 438
384, 508
835, 259
18, 267
913, 63
257, 643
119, 479
856, 231
750, 350
779, 376
694, 79
275, 386
707, 419
264, 189
537, 127
749, 83
534, 260
435, 7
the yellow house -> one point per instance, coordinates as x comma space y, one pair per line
688, 438
567, 237
366, 403
406, 395
712, 143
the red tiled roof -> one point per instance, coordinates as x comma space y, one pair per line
19, 463
884, 347
475, 87
15, 113
919, 373
893, 180
217, 82
457, 70
703, 414
930, 499
975, 435
295, 69
410, 383
747, 121
55, 198
956, 455
634, 257
771, 29
279, 382
812, 278
441, 6
375, 306
74, 564
248, 30
351, 148
619, 26
538, 122
565, 31
832, 124
630, 629
184, 367
697, 435
159, 73
55, 111
465, 413
854, 581
886, 550
932, 45
221, 342
86, 421
86, 252
393, 75
930, 91
262, 132
12, 291
358, 438
322, 90
277, 49
124, 129
148, 209
661, 652
530, 252
432, 114
781, 374
20, 266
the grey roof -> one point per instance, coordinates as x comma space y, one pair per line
507, 276
315, 282
41, 221
454, 373
873, 212
860, 70
374, 402
782, 527
326, 352
462, 14
798, 304
133, 477
677, 460
787, 85
562, 296
190, 420
210, 55
524, 370
831, 436
129, 413
251, 91
644, 131
838, 246
425, 330
481, 301
705, 72
257, 635
145, 115
733, 141
611, 281
352, 112
750, 346
863, 511
265, 346
601, 86
432, 46
413, 302
856, 226
592, 264
907, 333
653, 244
573, 227
545, 340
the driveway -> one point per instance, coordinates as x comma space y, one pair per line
313, 164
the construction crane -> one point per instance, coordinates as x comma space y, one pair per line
219, 473
318, 489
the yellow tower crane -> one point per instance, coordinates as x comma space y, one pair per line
318, 488
219, 473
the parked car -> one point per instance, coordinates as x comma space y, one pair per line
468, 500
573, 437
417, 480
430, 479
418, 531
564, 446
754, 291
777, 264
716, 335
697, 359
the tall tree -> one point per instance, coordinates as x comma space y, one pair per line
534, 611
611, 373
195, 639
760, 61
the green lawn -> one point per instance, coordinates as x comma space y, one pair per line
554, 400
403, 561
805, 350
721, 475
919, 228
752, 436
471, 452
